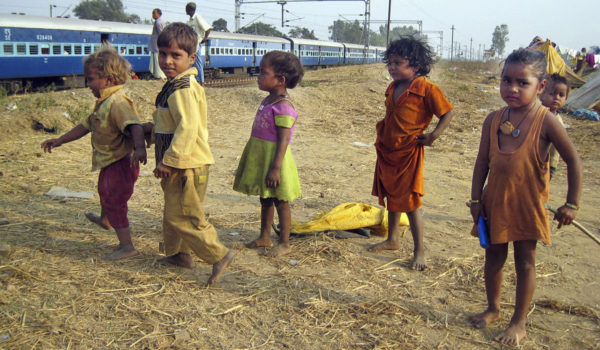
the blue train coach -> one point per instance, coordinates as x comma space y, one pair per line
35, 47
236, 53
318, 52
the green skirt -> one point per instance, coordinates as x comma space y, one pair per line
251, 174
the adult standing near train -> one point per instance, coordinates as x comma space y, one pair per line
159, 24
201, 28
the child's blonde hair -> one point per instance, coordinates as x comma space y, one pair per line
109, 64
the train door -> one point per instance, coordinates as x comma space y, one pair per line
254, 68
105, 39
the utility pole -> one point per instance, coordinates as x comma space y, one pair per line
452, 44
51, 6
282, 3
387, 37
471, 50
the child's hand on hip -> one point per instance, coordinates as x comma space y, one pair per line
426, 139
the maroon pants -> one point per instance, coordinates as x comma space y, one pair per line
115, 187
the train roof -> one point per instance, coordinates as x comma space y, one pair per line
28, 21
354, 46
316, 42
250, 37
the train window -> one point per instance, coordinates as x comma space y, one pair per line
8, 49
87, 49
56, 50
146, 52
221, 51
96, 48
138, 50
33, 49
212, 50
67, 49
123, 50
21, 49
131, 51
77, 49
45, 50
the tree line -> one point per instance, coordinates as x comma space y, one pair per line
340, 30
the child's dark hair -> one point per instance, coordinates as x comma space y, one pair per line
415, 50
108, 64
535, 58
191, 6
556, 78
285, 64
183, 35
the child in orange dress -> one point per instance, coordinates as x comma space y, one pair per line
513, 156
411, 101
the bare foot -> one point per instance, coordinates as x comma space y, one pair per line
179, 259
260, 243
385, 245
483, 319
122, 252
512, 335
98, 220
219, 267
418, 262
279, 250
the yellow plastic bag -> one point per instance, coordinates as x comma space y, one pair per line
349, 216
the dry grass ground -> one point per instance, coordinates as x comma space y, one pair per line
57, 292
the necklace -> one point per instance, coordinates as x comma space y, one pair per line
507, 128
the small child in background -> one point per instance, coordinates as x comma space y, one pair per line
183, 156
267, 168
554, 97
513, 155
411, 101
117, 143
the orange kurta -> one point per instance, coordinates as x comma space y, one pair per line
399, 167
518, 187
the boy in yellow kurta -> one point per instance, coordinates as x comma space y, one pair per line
183, 155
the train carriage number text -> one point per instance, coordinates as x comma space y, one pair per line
42, 37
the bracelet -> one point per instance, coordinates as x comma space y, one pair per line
474, 201
571, 206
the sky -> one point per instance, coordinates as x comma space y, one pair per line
571, 25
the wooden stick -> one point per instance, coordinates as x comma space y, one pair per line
578, 225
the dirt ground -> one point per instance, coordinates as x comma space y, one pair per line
56, 291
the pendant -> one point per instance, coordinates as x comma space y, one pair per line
261, 107
507, 128
516, 132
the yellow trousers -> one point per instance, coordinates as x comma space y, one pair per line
185, 228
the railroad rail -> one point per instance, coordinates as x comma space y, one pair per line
230, 81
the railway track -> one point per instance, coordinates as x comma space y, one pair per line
230, 81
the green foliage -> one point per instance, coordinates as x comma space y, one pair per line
302, 33
79, 112
106, 10
3, 95
219, 25
309, 83
499, 39
260, 28
347, 32
43, 102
